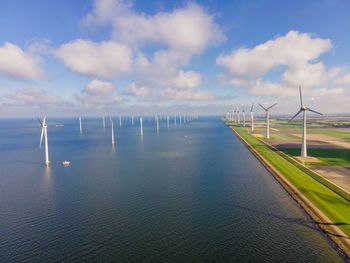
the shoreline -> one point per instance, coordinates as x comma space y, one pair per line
336, 235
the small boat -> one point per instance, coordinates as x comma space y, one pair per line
185, 136
65, 163
59, 125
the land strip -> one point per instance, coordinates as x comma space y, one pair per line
327, 206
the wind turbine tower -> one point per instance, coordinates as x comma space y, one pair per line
303, 109
120, 120
103, 122
44, 133
81, 129
252, 117
112, 123
157, 118
141, 126
175, 120
238, 115
243, 113
267, 110
132, 120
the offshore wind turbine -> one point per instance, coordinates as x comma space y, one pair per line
132, 120
81, 130
120, 120
112, 123
252, 117
267, 110
167, 121
175, 120
157, 119
44, 133
303, 109
103, 122
141, 126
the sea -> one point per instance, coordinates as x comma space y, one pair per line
188, 193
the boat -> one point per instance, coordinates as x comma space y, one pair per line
59, 125
65, 163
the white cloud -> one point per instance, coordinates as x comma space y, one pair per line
16, 63
342, 81
187, 94
134, 90
98, 87
293, 50
107, 59
97, 100
189, 29
34, 96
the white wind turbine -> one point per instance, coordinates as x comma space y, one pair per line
252, 117
141, 126
238, 115
103, 122
44, 133
120, 121
243, 113
157, 118
112, 124
167, 121
132, 120
267, 110
81, 129
303, 109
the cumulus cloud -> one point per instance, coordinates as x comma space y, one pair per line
189, 29
295, 53
170, 93
107, 59
292, 50
98, 87
19, 64
134, 90
342, 81
34, 96
97, 100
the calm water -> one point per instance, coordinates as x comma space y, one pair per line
165, 197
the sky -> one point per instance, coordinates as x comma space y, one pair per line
105, 57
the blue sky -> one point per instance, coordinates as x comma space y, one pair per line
111, 57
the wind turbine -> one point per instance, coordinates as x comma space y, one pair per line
141, 126
120, 120
243, 113
157, 118
44, 133
303, 109
103, 122
252, 117
112, 123
167, 121
238, 115
175, 120
267, 110
132, 120
81, 130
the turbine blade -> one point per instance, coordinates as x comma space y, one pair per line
301, 97
272, 106
41, 124
262, 106
314, 111
44, 121
295, 115
41, 137
251, 109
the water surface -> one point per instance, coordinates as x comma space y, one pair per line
190, 193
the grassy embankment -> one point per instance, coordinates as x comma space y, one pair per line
334, 203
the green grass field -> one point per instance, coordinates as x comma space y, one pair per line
283, 137
335, 205
340, 157
334, 133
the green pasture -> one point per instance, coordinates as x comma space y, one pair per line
334, 133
